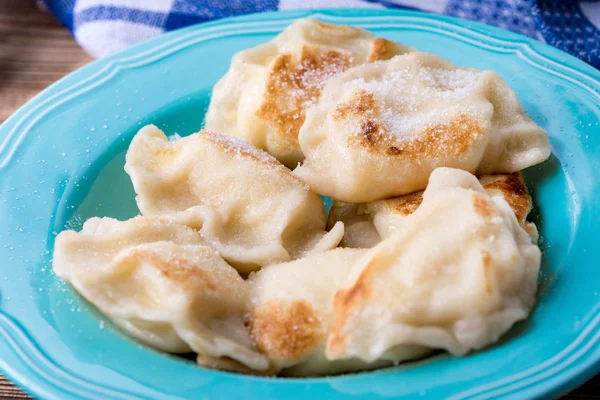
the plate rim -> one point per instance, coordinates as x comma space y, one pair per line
523, 46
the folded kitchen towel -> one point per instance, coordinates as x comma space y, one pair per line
102, 27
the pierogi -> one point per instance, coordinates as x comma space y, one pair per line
162, 284
456, 275
379, 130
245, 203
291, 313
265, 93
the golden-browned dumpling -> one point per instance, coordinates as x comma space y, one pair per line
267, 89
245, 203
292, 311
161, 283
366, 224
456, 275
380, 129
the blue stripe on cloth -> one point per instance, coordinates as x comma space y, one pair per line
563, 25
110, 13
223, 8
180, 20
184, 12
391, 4
513, 15
62, 10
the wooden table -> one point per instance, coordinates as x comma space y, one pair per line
34, 52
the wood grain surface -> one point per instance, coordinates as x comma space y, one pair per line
35, 51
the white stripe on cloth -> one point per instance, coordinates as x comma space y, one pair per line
591, 10
437, 6
101, 38
305, 4
144, 5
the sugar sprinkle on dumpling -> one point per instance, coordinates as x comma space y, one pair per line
379, 130
385, 117
264, 95
161, 283
241, 148
245, 203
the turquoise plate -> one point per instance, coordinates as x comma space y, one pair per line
61, 162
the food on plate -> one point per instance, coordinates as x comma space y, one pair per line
245, 203
233, 257
456, 275
366, 224
291, 312
264, 95
162, 284
378, 130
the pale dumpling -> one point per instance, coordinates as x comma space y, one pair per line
267, 89
379, 130
457, 274
366, 224
161, 283
245, 203
292, 311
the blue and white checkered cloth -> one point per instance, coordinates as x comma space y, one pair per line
102, 27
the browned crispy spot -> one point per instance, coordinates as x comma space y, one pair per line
285, 331
483, 205
344, 301
513, 189
369, 130
383, 49
362, 104
486, 260
175, 269
405, 205
452, 138
455, 138
356, 293
293, 85
393, 150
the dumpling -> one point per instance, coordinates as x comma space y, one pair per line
246, 204
292, 311
380, 129
366, 224
162, 284
457, 274
267, 89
